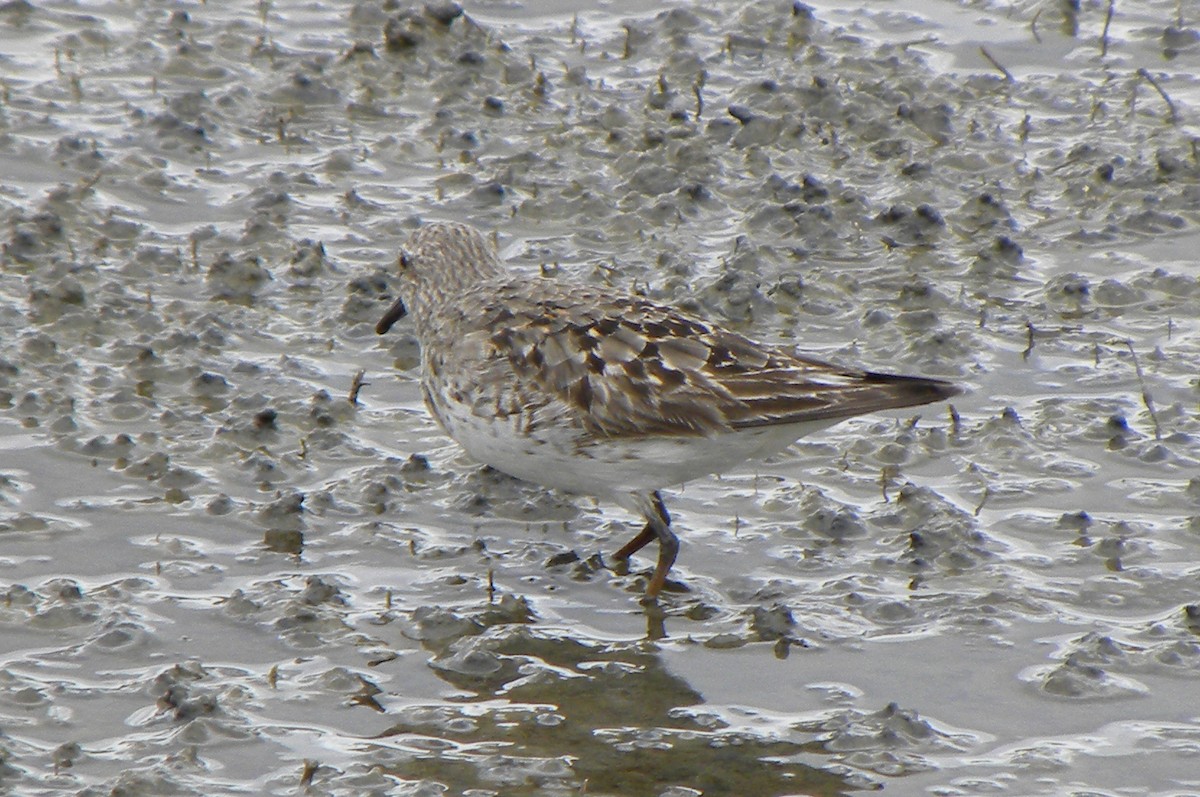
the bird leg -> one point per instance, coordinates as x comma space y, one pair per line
658, 525
636, 544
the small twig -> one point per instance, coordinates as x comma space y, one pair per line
886, 475
356, 385
955, 421
1029, 342
999, 66
1149, 402
1145, 74
918, 42
987, 493
1112, 4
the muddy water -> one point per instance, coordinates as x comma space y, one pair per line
221, 576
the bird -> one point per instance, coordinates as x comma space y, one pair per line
593, 391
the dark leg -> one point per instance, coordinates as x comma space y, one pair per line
658, 525
636, 544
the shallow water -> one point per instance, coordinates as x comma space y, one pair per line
220, 576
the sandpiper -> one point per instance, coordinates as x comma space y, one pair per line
592, 391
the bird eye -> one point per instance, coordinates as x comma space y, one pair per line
405, 260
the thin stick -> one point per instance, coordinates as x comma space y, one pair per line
356, 385
1149, 402
987, 493
887, 475
999, 66
1112, 4
1029, 346
1145, 74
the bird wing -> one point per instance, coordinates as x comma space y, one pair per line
628, 367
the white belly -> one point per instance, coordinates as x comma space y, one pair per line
560, 456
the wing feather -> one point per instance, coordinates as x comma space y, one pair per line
627, 367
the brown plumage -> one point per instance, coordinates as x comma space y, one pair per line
593, 391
